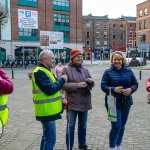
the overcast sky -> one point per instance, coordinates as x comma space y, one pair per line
112, 8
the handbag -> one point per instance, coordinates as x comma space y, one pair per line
112, 112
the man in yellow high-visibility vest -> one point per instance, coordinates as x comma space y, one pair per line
47, 98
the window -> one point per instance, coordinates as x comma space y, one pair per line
145, 11
131, 26
140, 14
66, 34
87, 34
131, 43
135, 26
114, 45
32, 0
121, 27
97, 43
32, 3
131, 34
134, 34
88, 43
105, 43
121, 45
97, 26
121, 36
114, 26
61, 20
61, 2
97, 35
114, 35
105, 34
145, 24
105, 26
88, 26
134, 43
140, 25
28, 32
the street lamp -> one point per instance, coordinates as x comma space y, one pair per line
140, 73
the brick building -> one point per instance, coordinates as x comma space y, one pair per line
101, 35
143, 29
45, 15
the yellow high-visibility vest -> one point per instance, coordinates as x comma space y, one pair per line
3, 109
45, 105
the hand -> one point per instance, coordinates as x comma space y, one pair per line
118, 89
89, 80
82, 85
65, 77
148, 98
127, 91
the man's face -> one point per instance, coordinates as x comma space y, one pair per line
50, 61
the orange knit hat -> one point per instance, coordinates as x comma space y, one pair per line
74, 53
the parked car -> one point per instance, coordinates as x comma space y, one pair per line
128, 61
132, 62
142, 61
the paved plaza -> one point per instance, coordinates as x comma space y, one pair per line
23, 132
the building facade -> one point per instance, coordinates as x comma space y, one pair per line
143, 29
29, 17
102, 35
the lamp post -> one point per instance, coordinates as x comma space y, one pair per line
140, 72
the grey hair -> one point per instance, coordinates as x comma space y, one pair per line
45, 54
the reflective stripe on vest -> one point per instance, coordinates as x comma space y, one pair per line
47, 100
45, 105
4, 109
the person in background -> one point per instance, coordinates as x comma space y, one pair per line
148, 89
47, 98
58, 70
6, 87
78, 95
123, 83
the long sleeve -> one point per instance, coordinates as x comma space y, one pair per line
45, 84
148, 84
6, 86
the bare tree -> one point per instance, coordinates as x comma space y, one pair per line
3, 17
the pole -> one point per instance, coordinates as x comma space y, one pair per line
23, 56
91, 56
140, 73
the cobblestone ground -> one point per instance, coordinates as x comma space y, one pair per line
23, 132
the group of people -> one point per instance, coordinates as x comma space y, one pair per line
77, 83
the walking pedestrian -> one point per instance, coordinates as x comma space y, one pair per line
78, 95
122, 83
47, 98
6, 87
58, 70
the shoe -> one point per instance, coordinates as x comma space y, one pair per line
85, 147
112, 149
118, 147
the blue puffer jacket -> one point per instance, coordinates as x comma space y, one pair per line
113, 77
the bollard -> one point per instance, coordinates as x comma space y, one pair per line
140, 74
12, 72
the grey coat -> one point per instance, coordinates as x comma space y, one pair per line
77, 100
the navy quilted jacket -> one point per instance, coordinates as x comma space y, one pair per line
113, 77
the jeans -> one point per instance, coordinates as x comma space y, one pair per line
82, 122
118, 128
49, 135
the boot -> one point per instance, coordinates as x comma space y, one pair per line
85, 147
